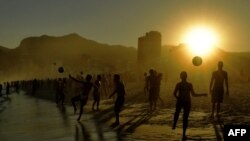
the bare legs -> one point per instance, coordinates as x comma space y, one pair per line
96, 102
186, 106
213, 109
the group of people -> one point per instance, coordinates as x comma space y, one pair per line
152, 87
184, 88
61, 86
87, 87
7, 86
182, 92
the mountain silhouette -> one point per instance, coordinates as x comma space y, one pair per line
40, 57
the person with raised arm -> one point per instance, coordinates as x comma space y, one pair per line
182, 93
86, 86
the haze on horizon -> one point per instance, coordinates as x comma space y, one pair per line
122, 22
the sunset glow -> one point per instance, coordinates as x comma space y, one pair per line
201, 40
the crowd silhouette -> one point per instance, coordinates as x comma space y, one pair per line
108, 85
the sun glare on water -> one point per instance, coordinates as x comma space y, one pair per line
201, 40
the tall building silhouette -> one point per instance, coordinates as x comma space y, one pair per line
149, 48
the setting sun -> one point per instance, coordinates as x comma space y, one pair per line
201, 40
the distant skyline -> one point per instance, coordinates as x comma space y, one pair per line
122, 22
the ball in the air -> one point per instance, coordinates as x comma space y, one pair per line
60, 70
197, 61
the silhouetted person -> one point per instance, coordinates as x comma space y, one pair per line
152, 88
96, 93
120, 91
60, 86
34, 86
79, 90
1, 88
217, 87
183, 89
145, 89
74, 100
17, 86
157, 96
7, 88
86, 85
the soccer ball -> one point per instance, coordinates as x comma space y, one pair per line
197, 61
60, 70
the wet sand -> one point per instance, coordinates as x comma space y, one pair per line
27, 118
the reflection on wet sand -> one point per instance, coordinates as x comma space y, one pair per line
28, 118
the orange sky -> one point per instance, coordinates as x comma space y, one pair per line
122, 22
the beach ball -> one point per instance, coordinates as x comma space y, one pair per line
60, 70
197, 61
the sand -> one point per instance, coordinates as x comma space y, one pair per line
137, 123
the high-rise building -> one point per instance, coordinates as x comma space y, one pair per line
149, 48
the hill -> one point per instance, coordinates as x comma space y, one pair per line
41, 56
